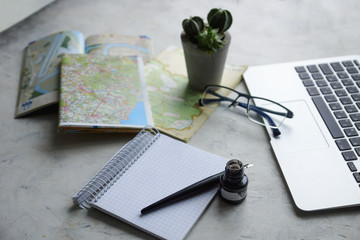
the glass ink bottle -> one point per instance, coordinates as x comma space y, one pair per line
233, 183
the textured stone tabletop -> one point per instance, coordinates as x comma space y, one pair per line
40, 170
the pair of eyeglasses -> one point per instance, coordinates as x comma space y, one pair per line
259, 110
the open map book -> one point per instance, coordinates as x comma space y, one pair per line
39, 80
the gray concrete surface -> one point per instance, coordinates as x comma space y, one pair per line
40, 169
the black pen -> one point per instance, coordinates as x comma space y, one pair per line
186, 192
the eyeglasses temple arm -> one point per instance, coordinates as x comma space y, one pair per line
275, 131
288, 114
204, 101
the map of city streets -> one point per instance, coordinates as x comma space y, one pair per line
101, 91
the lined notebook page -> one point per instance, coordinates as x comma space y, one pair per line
166, 167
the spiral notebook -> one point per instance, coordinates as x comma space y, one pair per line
148, 168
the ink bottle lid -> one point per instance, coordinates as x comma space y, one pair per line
233, 183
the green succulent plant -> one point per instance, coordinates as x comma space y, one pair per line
219, 19
193, 26
209, 39
208, 36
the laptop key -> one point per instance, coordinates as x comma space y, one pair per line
336, 85
351, 108
300, 69
355, 117
357, 177
355, 97
325, 68
351, 132
355, 77
352, 166
345, 123
337, 66
340, 114
317, 76
325, 90
312, 68
352, 70
340, 93
345, 100
304, 75
321, 83
313, 91
349, 155
335, 106
331, 78
348, 63
308, 83
328, 118
330, 98
343, 144
347, 82
355, 141
352, 89
357, 150
343, 75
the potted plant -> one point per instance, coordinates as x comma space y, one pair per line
205, 47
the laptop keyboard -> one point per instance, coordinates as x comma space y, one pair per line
335, 90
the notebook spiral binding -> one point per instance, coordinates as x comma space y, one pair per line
116, 167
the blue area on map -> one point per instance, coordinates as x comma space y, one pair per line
111, 45
144, 36
137, 116
38, 86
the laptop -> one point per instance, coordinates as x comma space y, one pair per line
318, 150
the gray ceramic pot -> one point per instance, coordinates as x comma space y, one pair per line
204, 68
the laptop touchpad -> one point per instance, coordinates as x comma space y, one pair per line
301, 133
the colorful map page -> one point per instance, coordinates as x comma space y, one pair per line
99, 91
120, 45
174, 104
39, 83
